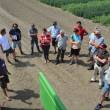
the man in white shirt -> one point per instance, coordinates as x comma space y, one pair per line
54, 31
5, 45
62, 43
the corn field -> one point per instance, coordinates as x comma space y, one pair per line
97, 10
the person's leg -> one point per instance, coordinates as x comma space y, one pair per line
12, 51
70, 53
7, 56
72, 57
91, 65
54, 45
5, 94
96, 70
55, 49
4, 86
106, 89
62, 55
58, 55
45, 53
101, 76
20, 46
32, 46
77, 55
36, 42
48, 48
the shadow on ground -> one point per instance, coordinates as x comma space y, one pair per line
25, 95
23, 64
6, 108
106, 106
36, 54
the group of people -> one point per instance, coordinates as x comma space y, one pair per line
99, 57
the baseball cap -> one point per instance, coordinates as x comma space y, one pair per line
103, 46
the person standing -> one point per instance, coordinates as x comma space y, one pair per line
95, 43
76, 44
101, 64
106, 89
62, 43
4, 79
5, 45
15, 35
81, 31
45, 40
54, 31
34, 39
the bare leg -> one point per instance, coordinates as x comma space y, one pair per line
5, 94
20, 49
14, 54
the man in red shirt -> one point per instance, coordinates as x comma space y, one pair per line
82, 32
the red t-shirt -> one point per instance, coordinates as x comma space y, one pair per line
81, 32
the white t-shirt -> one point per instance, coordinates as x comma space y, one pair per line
62, 41
4, 42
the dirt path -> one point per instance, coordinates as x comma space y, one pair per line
71, 82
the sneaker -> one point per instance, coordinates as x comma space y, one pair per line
98, 107
8, 99
92, 80
45, 62
71, 62
57, 62
70, 55
48, 61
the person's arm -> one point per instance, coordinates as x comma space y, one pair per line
92, 42
1, 47
100, 60
10, 34
86, 33
20, 33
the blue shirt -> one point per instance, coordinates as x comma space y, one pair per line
75, 37
54, 31
98, 41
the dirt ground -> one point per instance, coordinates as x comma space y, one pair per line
71, 82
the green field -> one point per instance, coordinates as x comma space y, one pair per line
97, 10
